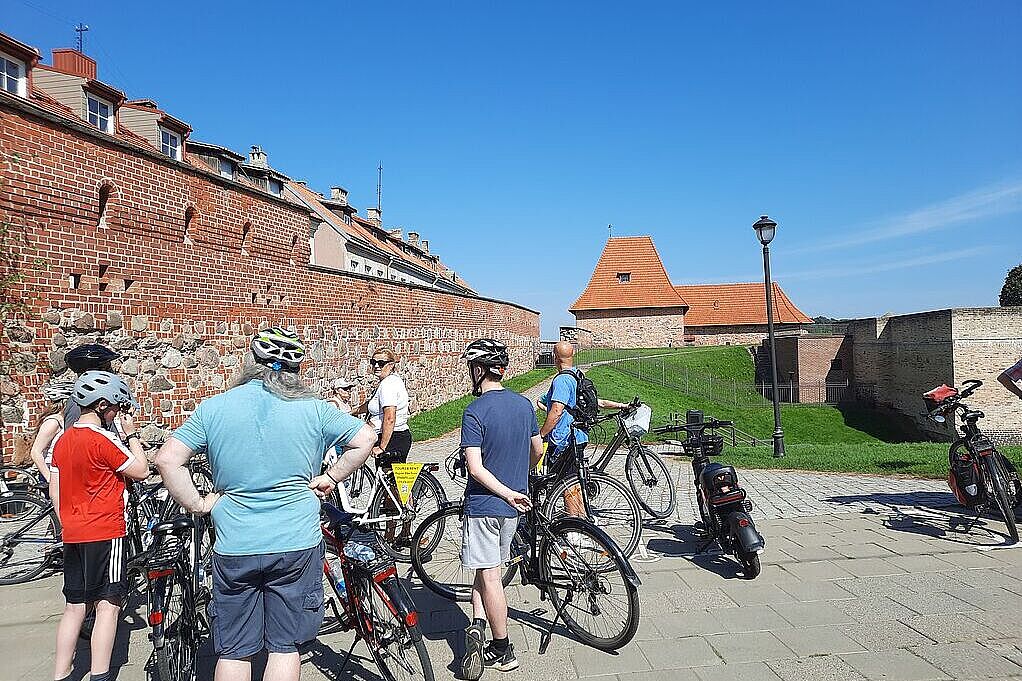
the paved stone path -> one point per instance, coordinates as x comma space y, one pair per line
863, 578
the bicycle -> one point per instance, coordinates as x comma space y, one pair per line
997, 483
571, 561
423, 495
372, 602
180, 591
645, 471
25, 480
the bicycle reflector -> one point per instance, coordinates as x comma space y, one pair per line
156, 574
155, 618
412, 618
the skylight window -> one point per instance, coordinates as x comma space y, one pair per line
12, 76
624, 277
170, 144
101, 114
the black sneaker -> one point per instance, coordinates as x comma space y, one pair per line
502, 662
472, 663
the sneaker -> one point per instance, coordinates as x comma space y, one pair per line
472, 663
502, 662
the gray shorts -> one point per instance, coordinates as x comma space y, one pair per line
486, 541
272, 601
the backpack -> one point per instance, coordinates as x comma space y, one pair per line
963, 479
587, 403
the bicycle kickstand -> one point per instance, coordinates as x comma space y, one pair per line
544, 639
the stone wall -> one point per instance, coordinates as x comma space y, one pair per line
738, 334
808, 361
162, 278
634, 328
580, 338
904, 356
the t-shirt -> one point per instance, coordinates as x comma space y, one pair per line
391, 393
1015, 372
263, 450
501, 423
89, 461
563, 389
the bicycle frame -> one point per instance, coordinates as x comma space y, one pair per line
379, 480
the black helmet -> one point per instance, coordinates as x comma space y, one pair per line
89, 356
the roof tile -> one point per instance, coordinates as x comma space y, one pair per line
728, 304
648, 284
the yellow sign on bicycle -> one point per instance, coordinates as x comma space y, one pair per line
405, 475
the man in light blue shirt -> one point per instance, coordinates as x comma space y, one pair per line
266, 439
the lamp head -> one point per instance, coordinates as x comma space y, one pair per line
765, 229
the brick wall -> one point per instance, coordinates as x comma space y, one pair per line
808, 361
738, 334
633, 328
181, 310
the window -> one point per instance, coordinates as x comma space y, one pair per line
346, 219
170, 144
189, 217
354, 265
836, 364
104, 199
369, 269
624, 277
101, 114
275, 187
12, 76
226, 168
379, 273
246, 231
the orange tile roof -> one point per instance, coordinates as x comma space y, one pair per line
649, 285
725, 304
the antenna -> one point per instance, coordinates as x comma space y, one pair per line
379, 188
80, 29
610, 230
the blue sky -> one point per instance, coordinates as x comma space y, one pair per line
884, 137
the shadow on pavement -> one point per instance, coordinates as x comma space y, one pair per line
359, 667
685, 542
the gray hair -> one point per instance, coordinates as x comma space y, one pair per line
283, 384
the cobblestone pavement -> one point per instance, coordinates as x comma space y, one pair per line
863, 578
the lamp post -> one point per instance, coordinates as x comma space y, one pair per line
765, 230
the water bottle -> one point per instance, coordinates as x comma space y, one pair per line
338, 577
360, 552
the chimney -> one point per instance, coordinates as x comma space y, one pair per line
375, 216
413, 238
74, 62
424, 245
257, 157
339, 194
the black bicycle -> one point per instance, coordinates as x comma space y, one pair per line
574, 563
979, 475
646, 472
180, 591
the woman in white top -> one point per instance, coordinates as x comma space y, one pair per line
388, 414
49, 427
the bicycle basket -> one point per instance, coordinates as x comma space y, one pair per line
712, 445
166, 552
637, 422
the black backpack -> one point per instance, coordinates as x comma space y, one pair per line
587, 403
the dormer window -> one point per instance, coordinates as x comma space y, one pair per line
101, 113
624, 277
275, 187
12, 76
226, 169
170, 144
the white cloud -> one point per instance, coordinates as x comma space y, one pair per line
1000, 199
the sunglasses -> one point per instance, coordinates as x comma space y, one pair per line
379, 363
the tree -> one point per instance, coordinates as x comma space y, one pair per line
1011, 293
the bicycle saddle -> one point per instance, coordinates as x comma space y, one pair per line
335, 517
973, 415
175, 525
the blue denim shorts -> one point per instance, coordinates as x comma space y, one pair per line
272, 601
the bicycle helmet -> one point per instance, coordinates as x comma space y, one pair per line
487, 353
278, 349
93, 386
89, 356
58, 392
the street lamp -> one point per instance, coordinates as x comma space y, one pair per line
765, 230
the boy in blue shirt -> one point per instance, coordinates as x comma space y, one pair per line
500, 438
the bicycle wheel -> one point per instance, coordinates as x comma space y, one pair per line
591, 588
999, 491
21, 481
651, 482
397, 647
612, 505
436, 556
175, 659
30, 538
427, 496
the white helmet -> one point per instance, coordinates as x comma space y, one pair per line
58, 392
278, 348
93, 386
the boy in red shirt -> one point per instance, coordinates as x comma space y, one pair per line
87, 480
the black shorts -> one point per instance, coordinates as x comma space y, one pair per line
96, 571
397, 449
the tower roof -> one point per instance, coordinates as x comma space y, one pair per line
629, 274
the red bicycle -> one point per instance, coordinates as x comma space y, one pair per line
364, 595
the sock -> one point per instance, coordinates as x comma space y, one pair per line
500, 645
480, 622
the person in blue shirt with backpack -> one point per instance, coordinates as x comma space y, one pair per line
562, 403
